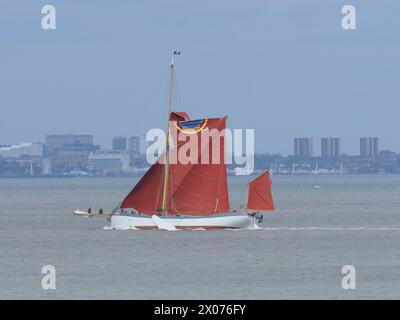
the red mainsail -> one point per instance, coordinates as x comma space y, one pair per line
260, 196
196, 188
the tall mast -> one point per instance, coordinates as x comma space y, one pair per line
166, 167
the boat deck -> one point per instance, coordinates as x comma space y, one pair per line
82, 213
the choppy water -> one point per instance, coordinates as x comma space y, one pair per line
321, 224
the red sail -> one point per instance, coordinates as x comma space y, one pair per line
195, 188
179, 116
260, 197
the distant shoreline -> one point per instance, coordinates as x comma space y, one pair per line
229, 175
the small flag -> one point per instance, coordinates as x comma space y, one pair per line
177, 53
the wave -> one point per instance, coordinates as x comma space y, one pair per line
310, 228
119, 228
333, 228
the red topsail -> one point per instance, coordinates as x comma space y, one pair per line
195, 188
260, 197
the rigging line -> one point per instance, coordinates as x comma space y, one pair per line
177, 96
160, 119
155, 91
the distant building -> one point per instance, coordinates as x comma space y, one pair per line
143, 145
119, 144
330, 147
303, 148
108, 162
387, 155
369, 147
69, 144
134, 145
23, 149
46, 167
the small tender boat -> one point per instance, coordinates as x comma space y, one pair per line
89, 213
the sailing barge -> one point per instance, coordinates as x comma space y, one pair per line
174, 195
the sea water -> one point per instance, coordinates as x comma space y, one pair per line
321, 224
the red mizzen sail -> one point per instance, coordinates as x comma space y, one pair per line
260, 196
195, 188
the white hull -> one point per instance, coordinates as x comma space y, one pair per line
144, 222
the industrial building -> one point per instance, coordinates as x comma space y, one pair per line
28, 149
108, 162
69, 144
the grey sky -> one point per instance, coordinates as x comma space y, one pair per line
283, 67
